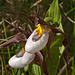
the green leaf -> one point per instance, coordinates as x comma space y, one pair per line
56, 50
73, 49
26, 68
54, 13
73, 43
48, 20
35, 69
53, 16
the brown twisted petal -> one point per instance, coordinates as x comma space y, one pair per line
40, 61
18, 38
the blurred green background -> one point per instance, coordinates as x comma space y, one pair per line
6, 31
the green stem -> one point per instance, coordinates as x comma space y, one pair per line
6, 38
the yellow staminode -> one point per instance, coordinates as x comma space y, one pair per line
40, 29
23, 47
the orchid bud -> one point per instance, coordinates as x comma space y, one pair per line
22, 60
36, 43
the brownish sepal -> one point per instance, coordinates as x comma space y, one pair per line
18, 38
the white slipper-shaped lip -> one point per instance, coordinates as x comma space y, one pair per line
34, 46
20, 62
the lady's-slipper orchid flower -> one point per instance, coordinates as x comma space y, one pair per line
37, 40
21, 59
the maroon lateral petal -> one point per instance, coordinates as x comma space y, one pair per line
51, 37
65, 42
